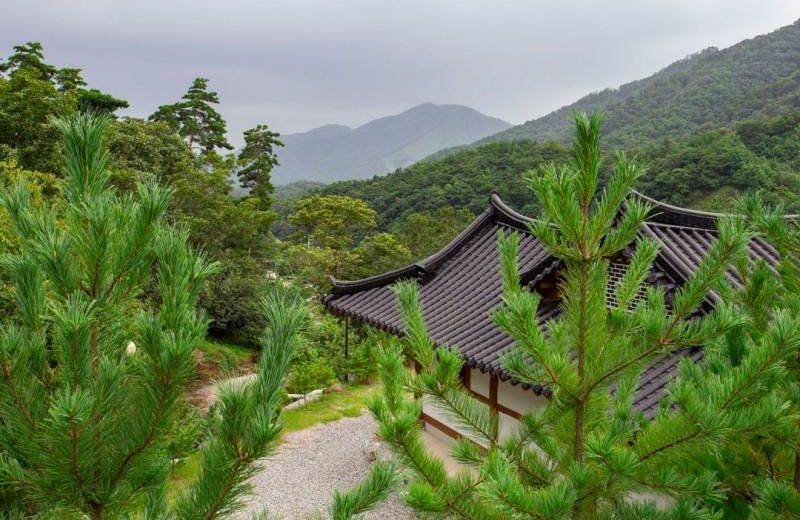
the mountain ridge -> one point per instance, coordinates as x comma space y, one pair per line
708, 128
756, 77
337, 152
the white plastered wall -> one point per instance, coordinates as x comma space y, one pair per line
513, 397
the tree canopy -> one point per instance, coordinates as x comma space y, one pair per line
196, 119
256, 161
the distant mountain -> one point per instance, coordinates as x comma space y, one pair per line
336, 152
756, 77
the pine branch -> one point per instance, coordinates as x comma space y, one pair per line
249, 425
367, 495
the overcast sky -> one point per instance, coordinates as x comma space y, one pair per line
300, 64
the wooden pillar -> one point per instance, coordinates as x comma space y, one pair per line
346, 337
493, 392
466, 376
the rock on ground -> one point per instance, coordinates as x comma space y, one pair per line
297, 482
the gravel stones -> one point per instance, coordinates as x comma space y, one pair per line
297, 482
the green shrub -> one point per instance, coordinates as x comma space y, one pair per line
310, 375
229, 362
362, 362
232, 301
186, 431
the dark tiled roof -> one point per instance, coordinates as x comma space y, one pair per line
684, 247
460, 286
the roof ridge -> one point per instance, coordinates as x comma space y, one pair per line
687, 217
499, 211
432, 262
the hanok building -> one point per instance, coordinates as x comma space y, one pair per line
460, 286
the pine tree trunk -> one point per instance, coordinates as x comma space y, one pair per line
579, 419
96, 511
797, 470
581, 405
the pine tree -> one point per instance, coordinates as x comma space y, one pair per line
92, 369
764, 468
586, 454
195, 119
256, 161
69, 79
29, 57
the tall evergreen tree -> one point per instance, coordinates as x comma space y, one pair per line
195, 119
586, 454
764, 468
256, 161
91, 371
29, 56
93, 100
69, 79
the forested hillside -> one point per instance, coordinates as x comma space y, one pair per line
705, 170
462, 180
709, 127
756, 77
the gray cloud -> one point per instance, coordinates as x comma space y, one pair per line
300, 64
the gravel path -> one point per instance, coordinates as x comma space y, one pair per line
297, 482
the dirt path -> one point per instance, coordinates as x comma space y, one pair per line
203, 389
204, 396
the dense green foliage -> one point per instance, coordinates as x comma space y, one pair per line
233, 231
464, 180
426, 232
710, 168
336, 236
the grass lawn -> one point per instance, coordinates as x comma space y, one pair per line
350, 402
183, 474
